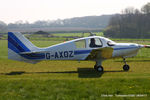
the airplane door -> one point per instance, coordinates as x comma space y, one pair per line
81, 51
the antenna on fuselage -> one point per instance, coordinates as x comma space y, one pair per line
92, 34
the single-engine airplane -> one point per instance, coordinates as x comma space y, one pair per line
93, 48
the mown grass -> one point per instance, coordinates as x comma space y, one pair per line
71, 80
71, 89
67, 80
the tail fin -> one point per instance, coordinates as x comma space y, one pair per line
18, 44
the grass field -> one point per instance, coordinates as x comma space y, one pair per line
72, 80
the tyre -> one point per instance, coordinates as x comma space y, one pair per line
126, 67
100, 69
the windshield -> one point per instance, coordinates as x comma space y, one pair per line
111, 43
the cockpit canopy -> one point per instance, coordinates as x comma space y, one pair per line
94, 42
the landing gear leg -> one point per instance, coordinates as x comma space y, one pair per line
125, 67
98, 67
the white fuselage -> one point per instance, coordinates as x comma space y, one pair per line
69, 50
94, 48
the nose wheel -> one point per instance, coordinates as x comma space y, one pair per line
125, 67
99, 68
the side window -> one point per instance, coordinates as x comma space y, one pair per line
80, 44
94, 42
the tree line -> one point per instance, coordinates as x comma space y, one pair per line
78, 22
131, 23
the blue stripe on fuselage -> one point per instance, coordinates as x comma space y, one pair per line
34, 56
78, 52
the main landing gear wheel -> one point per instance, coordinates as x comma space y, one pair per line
126, 67
99, 68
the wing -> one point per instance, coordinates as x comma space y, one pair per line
100, 53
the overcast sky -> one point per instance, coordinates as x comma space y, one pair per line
33, 10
